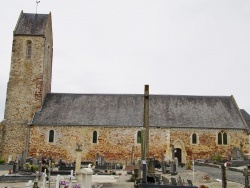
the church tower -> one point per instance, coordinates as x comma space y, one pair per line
29, 79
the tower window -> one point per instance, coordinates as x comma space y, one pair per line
222, 138
139, 137
29, 49
94, 137
51, 136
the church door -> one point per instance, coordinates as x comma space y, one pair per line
178, 154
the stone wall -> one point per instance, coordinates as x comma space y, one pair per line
207, 142
24, 93
116, 143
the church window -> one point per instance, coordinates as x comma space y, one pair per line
225, 138
51, 136
139, 137
219, 138
29, 49
194, 138
222, 138
94, 137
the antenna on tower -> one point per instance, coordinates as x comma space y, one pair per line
37, 5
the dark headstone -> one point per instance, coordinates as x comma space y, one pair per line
190, 183
173, 181
144, 171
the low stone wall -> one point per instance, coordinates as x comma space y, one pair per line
237, 163
6, 167
16, 178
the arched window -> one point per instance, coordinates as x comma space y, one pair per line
225, 138
194, 138
51, 136
222, 138
29, 50
219, 138
139, 137
94, 137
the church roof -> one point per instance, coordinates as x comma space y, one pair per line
31, 24
127, 110
246, 117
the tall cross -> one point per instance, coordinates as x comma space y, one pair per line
37, 5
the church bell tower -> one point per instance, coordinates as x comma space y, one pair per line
29, 79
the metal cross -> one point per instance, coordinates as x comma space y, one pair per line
37, 5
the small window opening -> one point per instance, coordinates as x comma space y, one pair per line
94, 137
194, 139
29, 49
139, 137
51, 136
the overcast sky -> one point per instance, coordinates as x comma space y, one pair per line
178, 47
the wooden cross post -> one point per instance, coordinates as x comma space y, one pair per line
223, 176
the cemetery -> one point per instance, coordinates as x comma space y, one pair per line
138, 173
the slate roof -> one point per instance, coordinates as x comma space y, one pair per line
246, 117
127, 110
31, 24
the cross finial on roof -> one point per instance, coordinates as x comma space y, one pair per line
37, 5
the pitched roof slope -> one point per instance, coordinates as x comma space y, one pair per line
31, 24
246, 117
127, 110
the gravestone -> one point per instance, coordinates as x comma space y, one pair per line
102, 159
34, 161
96, 158
9, 159
132, 156
236, 154
229, 155
17, 162
24, 158
151, 166
176, 161
173, 181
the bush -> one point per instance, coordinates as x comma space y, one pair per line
2, 161
28, 166
188, 166
217, 157
34, 167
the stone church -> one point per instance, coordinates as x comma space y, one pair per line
51, 124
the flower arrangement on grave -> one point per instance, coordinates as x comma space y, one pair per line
76, 186
206, 177
203, 186
33, 167
27, 165
62, 182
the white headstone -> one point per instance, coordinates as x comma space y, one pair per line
58, 178
9, 158
70, 179
44, 179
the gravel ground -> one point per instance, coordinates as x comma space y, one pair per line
199, 177
199, 173
216, 173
